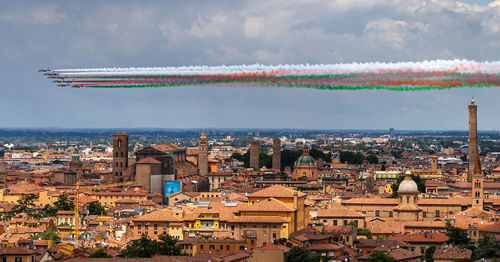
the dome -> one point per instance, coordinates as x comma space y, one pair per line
408, 186
305, 159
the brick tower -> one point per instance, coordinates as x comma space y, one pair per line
434, 162
473, 154
254, 155
276, 153
477, 186
120, 156
203, 152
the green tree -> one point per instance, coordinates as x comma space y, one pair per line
95, 208
296, 254
142, 247
457, 236
288, 157
429, 253
353, 223
372, 159
488, 248
168, 246
63, 203
318, 154
26, 205
364, 232
100, 254
48, 211
380, 257
49, 235
420, 183
351, 158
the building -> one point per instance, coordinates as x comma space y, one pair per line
473, 150
407, 209
120, 158
254, 155
305, 167
203, 152
277, 154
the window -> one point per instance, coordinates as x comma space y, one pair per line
422, 250
334, 222
274, 235
424, 214
146, 227
212, 247
345, 222
156, 227
390, 214
438, 213
201, 246
19, 259
377, 213
324, 220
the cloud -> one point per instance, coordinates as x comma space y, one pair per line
41, 14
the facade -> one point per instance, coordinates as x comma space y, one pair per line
254, 155
120, 157
203, 152
277, 154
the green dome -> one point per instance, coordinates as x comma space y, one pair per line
304, 160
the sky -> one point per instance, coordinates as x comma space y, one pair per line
87, 34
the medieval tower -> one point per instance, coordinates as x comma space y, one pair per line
120, 156
254, 155
203, 152
473, 154
276, 153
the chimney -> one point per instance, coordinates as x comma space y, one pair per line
295, 199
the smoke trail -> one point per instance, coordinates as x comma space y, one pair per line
403, 76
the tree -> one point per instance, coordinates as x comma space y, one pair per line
420, 183
142, 247
457, 236
318, 154
95, 208
353, 223
372, 159
488, 248
296, 254
168, 246
26, 205
380, 257
49, 235
100, 254
429, 253
63, 203
364, 232
351, 158
48, 211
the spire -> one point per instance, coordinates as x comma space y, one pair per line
203, 133
472, 101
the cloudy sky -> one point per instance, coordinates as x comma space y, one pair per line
82, 34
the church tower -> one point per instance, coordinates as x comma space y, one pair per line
120, 156
473, 154
477, 186
203, 152
3, 173
277, 154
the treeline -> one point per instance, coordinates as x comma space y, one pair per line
288, 157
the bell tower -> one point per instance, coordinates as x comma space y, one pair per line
203, 152
120, 156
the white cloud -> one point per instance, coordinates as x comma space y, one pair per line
44, 14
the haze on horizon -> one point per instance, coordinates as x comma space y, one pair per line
80, 34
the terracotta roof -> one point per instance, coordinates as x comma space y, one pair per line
452, 253
325, 246
378, 201
269, 247
276, 191
160, 215
16, 251
403, 254
270, 204
166, 147
422, 238
148, 160
338, 212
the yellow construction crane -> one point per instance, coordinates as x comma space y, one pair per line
76, 190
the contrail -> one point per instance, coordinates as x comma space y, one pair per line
401, 76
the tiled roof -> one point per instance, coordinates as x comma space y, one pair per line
452, 253
276, 191
16, 251
338, 212
166, 147
324, 247
269, 205
260, 219
422, 238
148, 160
164, 215
379, 201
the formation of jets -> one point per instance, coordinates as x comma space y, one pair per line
57, 78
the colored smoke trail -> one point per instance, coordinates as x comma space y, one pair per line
404, 76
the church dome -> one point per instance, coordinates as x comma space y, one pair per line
408, 185
305, 160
